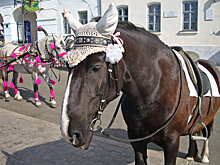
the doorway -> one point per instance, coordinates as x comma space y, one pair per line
27, 33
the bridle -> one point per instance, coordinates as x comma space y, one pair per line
103, 105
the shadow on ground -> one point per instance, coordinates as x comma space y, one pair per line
122, 134
28, 95
59, 152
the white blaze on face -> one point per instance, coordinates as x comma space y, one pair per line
64, 116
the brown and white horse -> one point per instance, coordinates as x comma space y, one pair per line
156, 97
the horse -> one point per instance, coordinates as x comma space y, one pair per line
37, 58
156, 103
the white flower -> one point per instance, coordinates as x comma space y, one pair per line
113, 53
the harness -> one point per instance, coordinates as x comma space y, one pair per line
103, 104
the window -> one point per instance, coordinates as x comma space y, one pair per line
83, 17
190, 15
123, 14
20, 32
66, 26
154, 17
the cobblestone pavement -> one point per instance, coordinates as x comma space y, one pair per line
29, 141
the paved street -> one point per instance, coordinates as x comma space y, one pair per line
29, 141
30, 135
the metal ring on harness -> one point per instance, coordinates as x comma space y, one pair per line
92, 124
200, 138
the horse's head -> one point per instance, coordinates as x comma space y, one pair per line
52, 46
58, 48
88, 79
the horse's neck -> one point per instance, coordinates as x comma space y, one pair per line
146, 73
43, 47
137, 72
131, 87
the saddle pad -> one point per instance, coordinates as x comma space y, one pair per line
192, 89
214, 87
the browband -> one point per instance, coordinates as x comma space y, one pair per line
91, 41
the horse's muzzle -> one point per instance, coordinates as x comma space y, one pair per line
76, 139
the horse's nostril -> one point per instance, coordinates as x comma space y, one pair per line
76, 137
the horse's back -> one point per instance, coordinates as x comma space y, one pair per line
7, 50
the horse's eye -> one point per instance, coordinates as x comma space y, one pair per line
96, 68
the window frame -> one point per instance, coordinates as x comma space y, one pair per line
83, 21
189, 12
123, 16
155, 15
66, 26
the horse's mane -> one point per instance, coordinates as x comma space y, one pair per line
138, 33
133, 31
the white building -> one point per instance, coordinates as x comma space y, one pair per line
192, 24
50, 17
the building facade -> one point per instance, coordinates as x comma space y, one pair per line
192, 24
50, 17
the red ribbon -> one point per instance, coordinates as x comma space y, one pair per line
119, 41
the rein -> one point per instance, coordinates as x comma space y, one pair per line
104, 104
34, 63
14, 59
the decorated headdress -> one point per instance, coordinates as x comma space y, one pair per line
95, 37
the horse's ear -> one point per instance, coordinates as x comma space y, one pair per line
108, 23
74, 24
